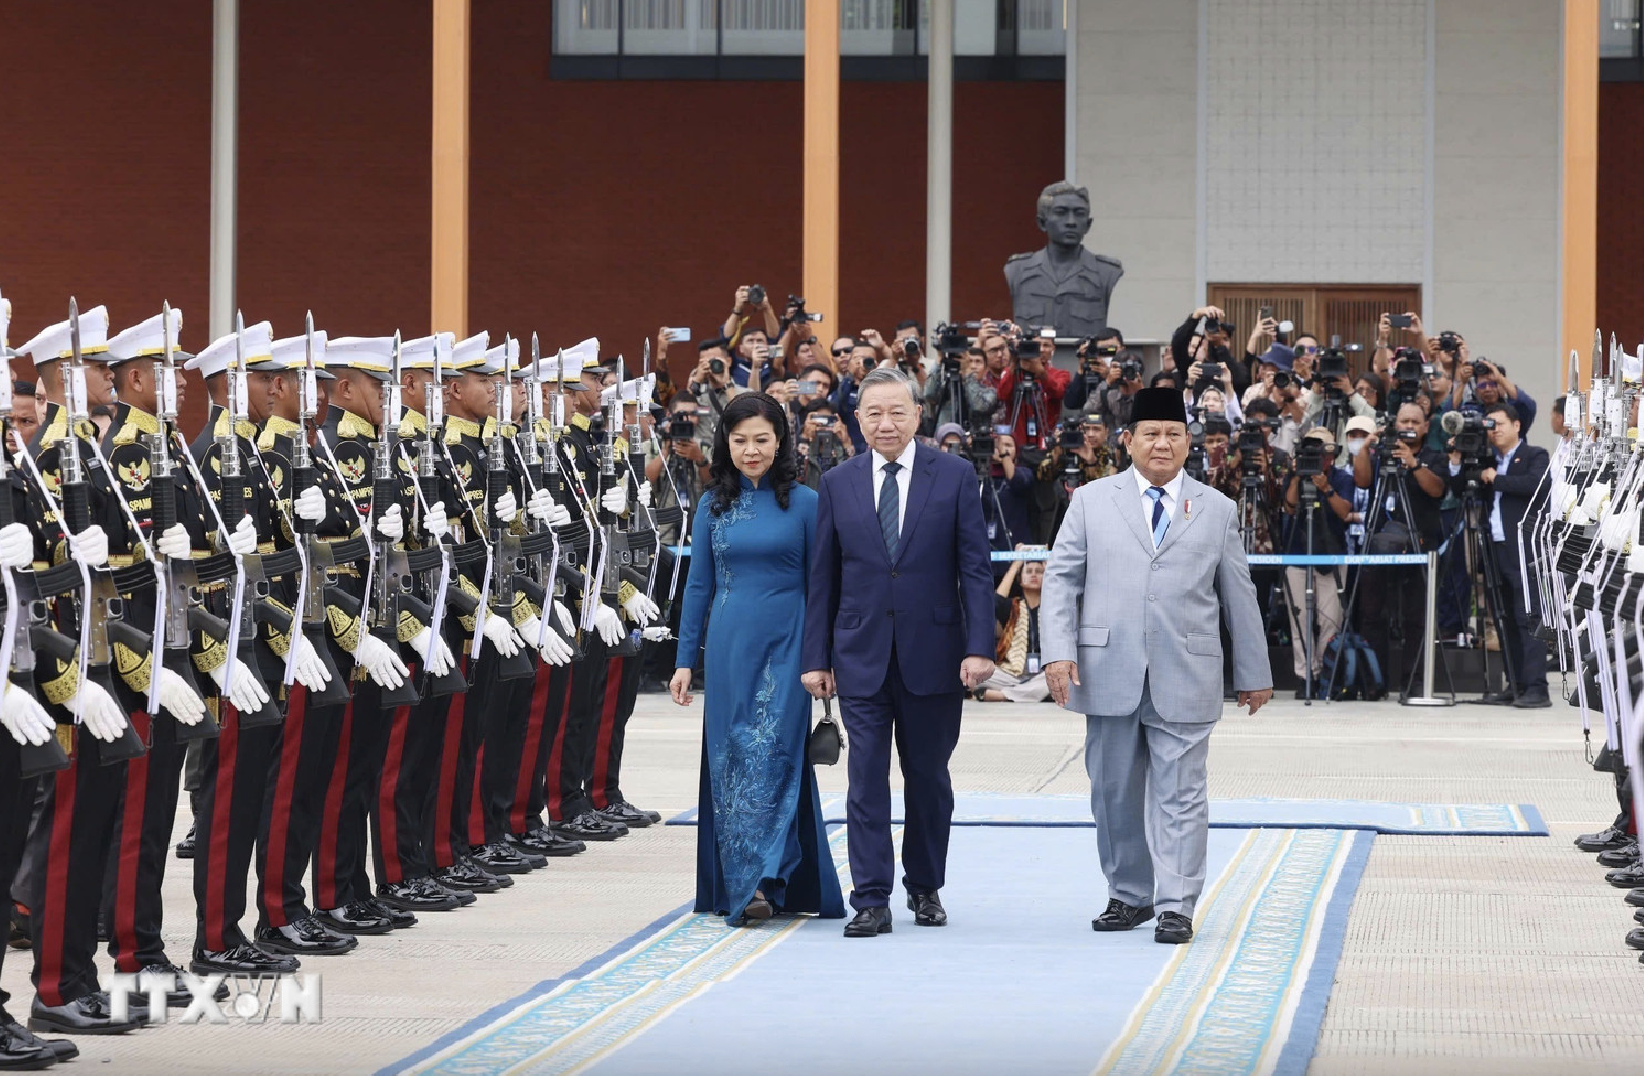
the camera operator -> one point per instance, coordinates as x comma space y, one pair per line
1247, 465
1080, 454
750, 301
685, 461
1514, 492
1124, 381
1039, 405
1382, 359
1097, 354
957, 371
1011, 486
1392, 599
1332, 384
1333, 492
711, 386
1279, 387
860, 361
820, 443
1490, 385
1189, 348
754, 350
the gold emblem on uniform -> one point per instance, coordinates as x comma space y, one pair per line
134, 475
352, 468
466, 470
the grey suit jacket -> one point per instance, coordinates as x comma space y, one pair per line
1122, 610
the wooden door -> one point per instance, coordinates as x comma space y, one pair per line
1348, 311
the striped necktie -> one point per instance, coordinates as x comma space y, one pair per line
890, 498
1161, 521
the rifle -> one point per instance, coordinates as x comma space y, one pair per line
102, 611
506, 553
431, 440
541, 545
320, 559
182, 604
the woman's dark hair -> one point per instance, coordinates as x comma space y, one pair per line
724, 480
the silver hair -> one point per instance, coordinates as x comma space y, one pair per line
1049, 194
888, 375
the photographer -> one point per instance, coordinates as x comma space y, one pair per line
1513, 493
711, 386
1080, 455
819, 442
1489, 386
754, 350
956, 372
1248, 469
1097, 355
1189, 348
685, 461
1333, 385
816, 382
1124, 381
860, 361
1332, 492
1032, 392
750, 301
1011, 488
1386, 344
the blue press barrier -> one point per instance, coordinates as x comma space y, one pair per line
1257, 560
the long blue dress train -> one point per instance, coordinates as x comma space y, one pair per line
759, 822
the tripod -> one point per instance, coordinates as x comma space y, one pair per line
1474, 517
1252, 507
1027, 400
1309, 504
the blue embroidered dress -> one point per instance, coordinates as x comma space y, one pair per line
759, 818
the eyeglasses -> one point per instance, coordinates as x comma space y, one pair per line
1308, 349
839, 351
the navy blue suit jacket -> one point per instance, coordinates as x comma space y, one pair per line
935, 603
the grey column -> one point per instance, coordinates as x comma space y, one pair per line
225, 127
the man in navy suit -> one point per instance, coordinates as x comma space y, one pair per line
900, 624
1511, 493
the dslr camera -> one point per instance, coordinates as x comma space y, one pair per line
1449, 343
1130, 370
756, 295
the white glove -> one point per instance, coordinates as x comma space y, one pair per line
99, 713
242, 540
380, 661
311, 504
248, 695
434, 523
608, 624
658, 634
554, 650
1593, 498
645, 494
441, 661
500, 634
24, 717
1635, 559
391, 525
641, 610
616, 498
174, 542
16, 546
178, 699
90, 547
507, 507
1617, 529
308, 668
567, 622
541, 506
558, 515
1564, 500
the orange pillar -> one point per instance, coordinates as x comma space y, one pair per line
450, 138
821, 180
1579, 217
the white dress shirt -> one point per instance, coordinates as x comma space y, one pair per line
1172, 494
904, 479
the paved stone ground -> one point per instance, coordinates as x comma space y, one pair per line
1463, 955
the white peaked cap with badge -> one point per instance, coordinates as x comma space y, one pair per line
633, 391
370, 354
51, 344
418, 354
147, 339
291, 353
469, 353
504, 358
214, 359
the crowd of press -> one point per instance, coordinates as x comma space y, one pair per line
1409, 446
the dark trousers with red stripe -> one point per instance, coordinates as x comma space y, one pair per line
442, 814
67, 854
511, 742
621, 693
550, 693
340, 876
293, 802
228, 811
571, 759
16, 810
142, 844
402, 826
486, 719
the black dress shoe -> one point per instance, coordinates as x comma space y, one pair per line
19, 1054
1534, 698
1498, 698
62, 1049
1635, 937
90, 1015
1636, 898
1121, 916
1604, 839
869, 923
463, 897
465, 877
927, 910
242, 960
411, 897
591, 826
398, 918
630, 816
185, 847
305, 937
544, 843
1173, 929
178, 996
502, 858
354, 918
18, 937
1624, 856
1626, 877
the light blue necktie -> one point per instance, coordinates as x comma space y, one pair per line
1161, 521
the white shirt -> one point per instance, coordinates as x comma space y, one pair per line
904, 479
1172, 494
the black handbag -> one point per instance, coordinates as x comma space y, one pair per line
826, 739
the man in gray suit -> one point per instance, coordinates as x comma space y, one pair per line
1142, 564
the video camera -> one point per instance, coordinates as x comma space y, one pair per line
799, 313
1467, 431
681, 427
1252, 441
1310, 457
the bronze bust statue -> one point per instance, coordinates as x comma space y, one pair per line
1064, 285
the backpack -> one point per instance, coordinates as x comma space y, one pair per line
1353, 667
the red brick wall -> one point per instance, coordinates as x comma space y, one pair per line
1621, 211
598, 208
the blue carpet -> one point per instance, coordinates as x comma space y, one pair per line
1427, 819
1017, 983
